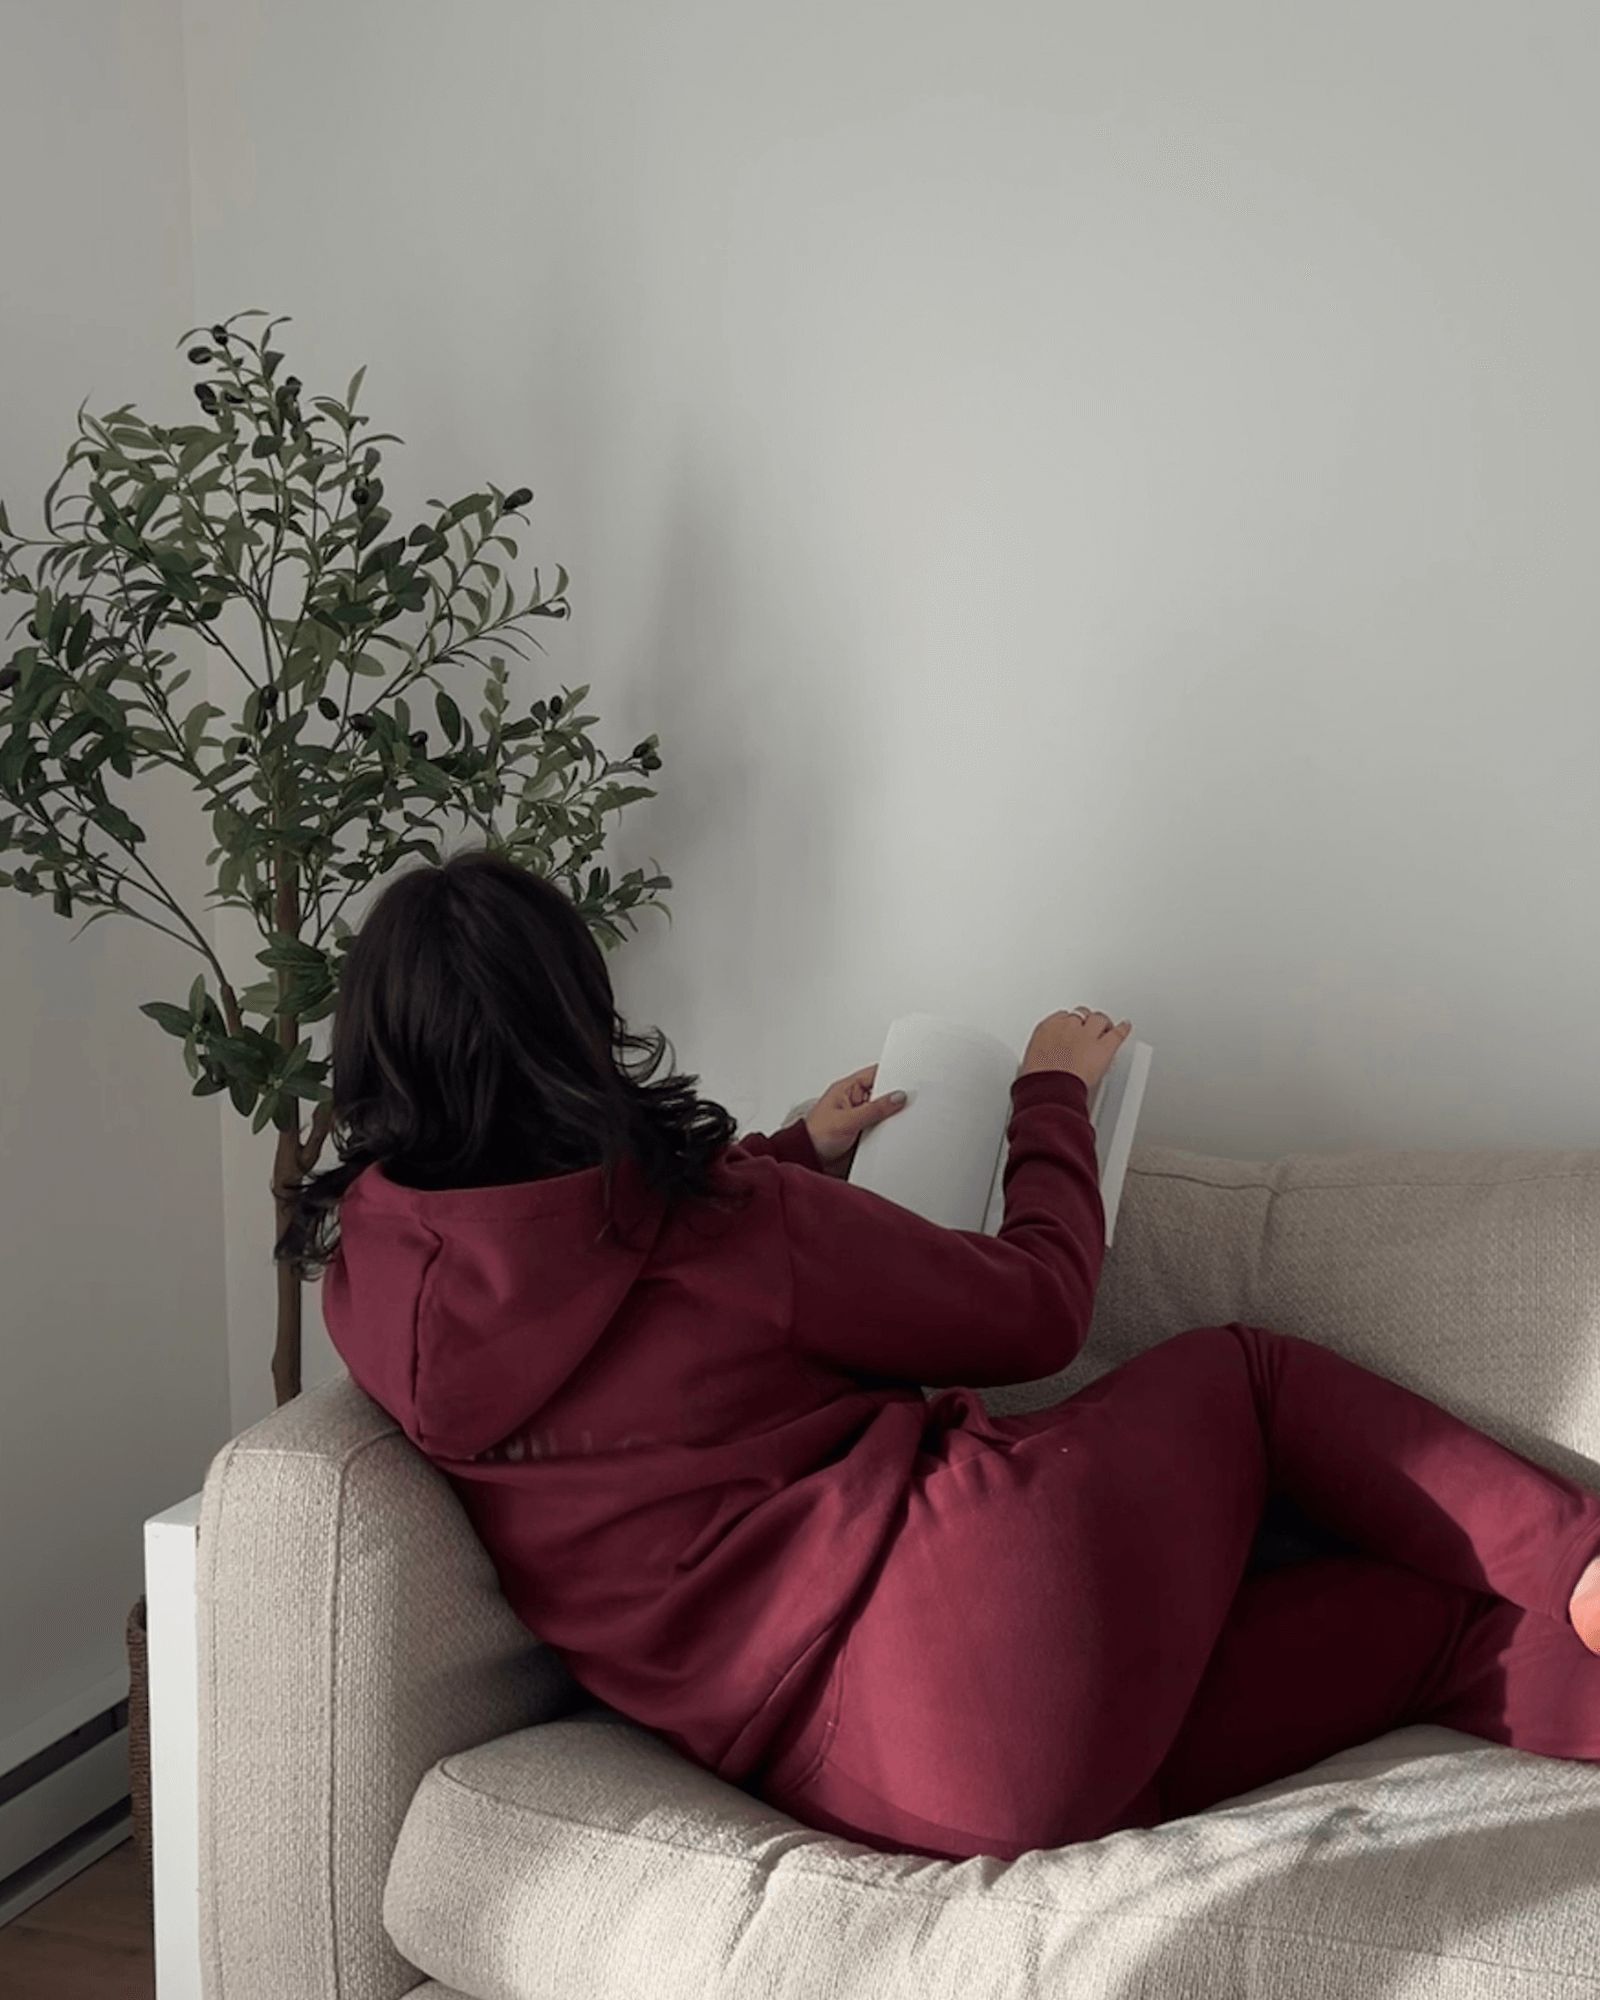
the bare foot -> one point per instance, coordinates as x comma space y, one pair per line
1584, 1610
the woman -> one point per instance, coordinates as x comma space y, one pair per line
674, 1381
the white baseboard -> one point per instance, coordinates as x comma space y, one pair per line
71, 1858
53, 1808
63, 1804
63, 1719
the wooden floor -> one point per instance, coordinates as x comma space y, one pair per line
88, 1940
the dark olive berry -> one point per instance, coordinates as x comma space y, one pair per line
361, 723
418, 739
520, 498
200, 354
220, 335
360, 495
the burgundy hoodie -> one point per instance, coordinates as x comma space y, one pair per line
686, 1458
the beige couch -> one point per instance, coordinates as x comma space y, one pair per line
401, 1792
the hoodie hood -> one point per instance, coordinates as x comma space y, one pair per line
477, 1305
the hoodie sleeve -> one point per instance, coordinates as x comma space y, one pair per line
792, 1145
879, 1289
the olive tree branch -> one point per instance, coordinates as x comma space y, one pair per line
97, 863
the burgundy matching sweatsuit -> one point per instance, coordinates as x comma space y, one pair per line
709, 1480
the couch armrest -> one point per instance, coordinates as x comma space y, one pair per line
352, 1633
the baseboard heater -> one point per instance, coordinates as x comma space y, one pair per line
71, 1793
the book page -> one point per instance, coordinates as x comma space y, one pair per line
1116, 1115
944, 1155
937, 1157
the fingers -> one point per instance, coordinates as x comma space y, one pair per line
1091, 1015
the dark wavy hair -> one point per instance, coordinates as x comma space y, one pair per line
476, 1042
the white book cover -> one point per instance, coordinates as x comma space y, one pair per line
944, 1155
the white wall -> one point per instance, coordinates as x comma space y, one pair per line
1099, 502
113, 1361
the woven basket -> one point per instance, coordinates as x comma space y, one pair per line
139, 1745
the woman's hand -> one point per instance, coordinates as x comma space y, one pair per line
1082, 1043
842, 1113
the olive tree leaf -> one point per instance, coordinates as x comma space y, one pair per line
257, 537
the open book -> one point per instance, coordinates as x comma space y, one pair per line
943, 1156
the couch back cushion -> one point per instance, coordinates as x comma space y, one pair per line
1472, 1277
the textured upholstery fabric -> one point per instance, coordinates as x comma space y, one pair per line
1471, 1277
352, 1632
587, 1861
353, 1639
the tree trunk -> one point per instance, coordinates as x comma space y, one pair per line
288, 1163
286, 1353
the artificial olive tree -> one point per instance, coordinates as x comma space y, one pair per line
261, 536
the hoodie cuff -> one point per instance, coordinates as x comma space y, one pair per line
792, 1146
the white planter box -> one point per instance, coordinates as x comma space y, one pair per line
171, 1542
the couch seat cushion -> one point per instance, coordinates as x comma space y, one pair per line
586, 1860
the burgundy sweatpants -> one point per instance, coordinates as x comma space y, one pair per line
1062, 1639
